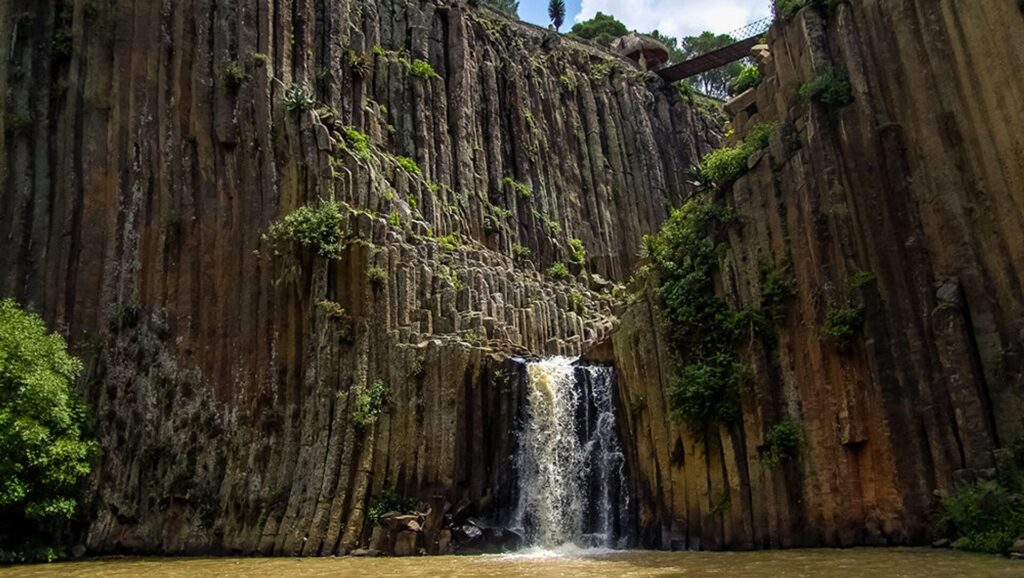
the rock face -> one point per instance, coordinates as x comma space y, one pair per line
910, 202
147, 146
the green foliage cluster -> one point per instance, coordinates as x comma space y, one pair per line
602, 29
577, 302
842, 324
234, 75
523, 190
298, 98
521, 253
389, 501
749, 77
368, 403
983, 517
700, 326
359, 142
782, 442
422, 69
450, 242
559, 272
830, 89
556, 11
377, 276
578, 252
321, 228
43, 452
722, 167
409, 165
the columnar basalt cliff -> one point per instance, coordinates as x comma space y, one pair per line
147, 147
900, 215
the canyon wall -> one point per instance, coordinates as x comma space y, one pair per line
907, 204
146, 147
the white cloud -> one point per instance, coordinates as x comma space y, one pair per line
679, 17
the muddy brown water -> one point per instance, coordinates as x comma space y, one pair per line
911, 562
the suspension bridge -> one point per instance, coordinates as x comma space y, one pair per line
750, 34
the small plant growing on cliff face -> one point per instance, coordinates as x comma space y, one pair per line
319, 228
377, 277
577, 303
523, 190
408, 165
749, 77
359, 142
234, 75
559, 272
842, 323
830, 89
388, 501
450, 242
299, 99
781, 443
521, 253
422, 69
44, 451
723, 166
578, 251
368, 402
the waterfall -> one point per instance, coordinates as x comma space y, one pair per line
571, 469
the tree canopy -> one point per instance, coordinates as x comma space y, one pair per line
602, 28
43, 455
556, 11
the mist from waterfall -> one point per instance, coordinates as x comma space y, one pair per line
571, 469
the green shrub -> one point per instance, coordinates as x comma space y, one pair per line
983, 517
319, 228
749, 77
559, 272
577, 302
377, 276
782, 442
578, 251
298, 99
395, 219
388, 501
723, 166
45, 453
359, 142
705, 395
368, 402
830, 89
523, 190
422, 69
450, 242
408, 165
842, 323
234, 75
520, 253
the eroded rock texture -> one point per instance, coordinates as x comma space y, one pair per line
910, 201
147, 146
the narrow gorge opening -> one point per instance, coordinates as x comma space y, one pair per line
573, 490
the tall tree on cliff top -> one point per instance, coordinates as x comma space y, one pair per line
556, 10
714, 82
43, 455
510, 6
602, 28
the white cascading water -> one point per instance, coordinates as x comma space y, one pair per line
571, 469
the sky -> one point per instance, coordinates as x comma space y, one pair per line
671, 17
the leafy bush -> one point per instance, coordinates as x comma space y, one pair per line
577, 302
359, 142
368, 403
523, 190
408, 165
830, 89
985, 517
389, 501
450, 242
705, 394
521, 253
559, 272
723, 166
579, 252
319, 228
749, 77
842, 323
377, 276
782, 442
422, 69
299, 98
234, 75
45, 453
